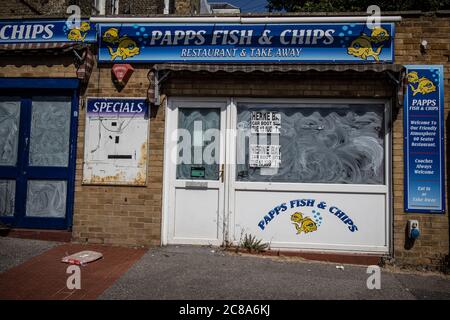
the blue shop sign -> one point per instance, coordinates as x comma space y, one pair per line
424, 139
327, 43
124, 107
21, 31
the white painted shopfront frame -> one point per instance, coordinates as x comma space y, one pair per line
231, 185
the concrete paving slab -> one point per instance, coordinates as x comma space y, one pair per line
15, 251
45, 277
184, 272
426, 287
190, 272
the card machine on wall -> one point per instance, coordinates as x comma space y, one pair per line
116, 141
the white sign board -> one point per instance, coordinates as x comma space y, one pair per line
265, 122
265, 156
313, 220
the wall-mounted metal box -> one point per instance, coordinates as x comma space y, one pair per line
116, 138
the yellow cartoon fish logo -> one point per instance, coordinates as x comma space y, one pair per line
127, 48
85, 26
413, 77
425, 86
75, 35
362, 47
111, 35
379, 34
305, 225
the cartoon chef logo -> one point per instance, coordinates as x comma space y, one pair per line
421, 85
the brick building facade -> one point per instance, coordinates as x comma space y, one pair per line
132, 216
57, 8
35, 8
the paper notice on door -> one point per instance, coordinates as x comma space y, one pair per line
265, 156
265, 122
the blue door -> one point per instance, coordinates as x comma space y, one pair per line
37, 156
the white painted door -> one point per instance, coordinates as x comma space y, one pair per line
195, 171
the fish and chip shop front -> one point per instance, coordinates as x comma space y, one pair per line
297, 172
289, 131
251, 152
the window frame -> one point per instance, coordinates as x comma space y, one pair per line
314, 187
203, 148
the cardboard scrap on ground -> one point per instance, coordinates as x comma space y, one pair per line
82, 257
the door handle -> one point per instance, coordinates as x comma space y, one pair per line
222, 172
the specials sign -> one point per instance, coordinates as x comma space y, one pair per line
124, 107
24, 31
424, 140
336, 42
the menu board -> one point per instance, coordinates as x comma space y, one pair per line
424, 140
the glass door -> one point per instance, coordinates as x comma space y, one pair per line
196, 205
36, 163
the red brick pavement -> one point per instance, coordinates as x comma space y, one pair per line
44, 276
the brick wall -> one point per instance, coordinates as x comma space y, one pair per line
57, 8
35, 65
16, 8
141, 7
186, 7
34, 8
309, 85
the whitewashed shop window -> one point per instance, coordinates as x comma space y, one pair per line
50, 131
312, 143
9, 130
46, 198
